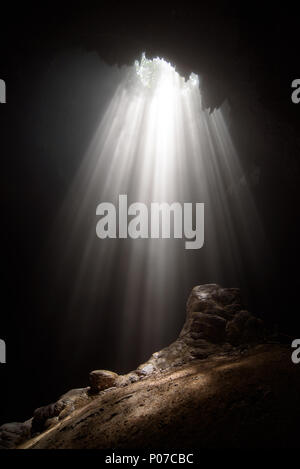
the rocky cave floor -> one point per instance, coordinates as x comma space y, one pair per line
226, 382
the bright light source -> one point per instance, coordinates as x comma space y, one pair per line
155, 143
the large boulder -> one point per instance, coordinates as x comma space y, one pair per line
216, 322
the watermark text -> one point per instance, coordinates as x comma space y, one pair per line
139, 221
2, 351
2, 92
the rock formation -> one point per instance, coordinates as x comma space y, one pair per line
225, 382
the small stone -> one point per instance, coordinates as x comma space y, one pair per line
102, 379
146, 369
133, 377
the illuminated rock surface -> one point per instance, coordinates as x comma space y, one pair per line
223, 383
102, 379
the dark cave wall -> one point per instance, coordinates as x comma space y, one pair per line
244, 60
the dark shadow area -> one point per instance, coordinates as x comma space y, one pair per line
244, 58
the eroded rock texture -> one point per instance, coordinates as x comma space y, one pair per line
216, 321
223, 383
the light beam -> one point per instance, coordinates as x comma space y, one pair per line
156, 144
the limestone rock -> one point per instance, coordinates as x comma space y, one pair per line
47, 416
102, 379
216, 321
244, 400
244, 328
12, 434
44, 414
206, 363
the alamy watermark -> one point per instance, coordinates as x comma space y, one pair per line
296, 353
2, 92
2, 351
2, 101
295, 96
153, 222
